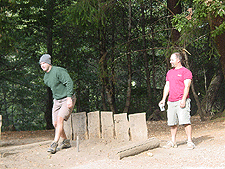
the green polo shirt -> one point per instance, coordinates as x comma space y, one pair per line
60, 82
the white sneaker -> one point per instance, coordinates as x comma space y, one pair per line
190, 145
170, 144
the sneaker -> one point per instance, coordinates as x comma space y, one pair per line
65, 144
52, 148
170, 144
190, 145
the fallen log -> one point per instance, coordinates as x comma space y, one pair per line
134, 148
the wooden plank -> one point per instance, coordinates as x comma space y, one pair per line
107, 125
121, 127
79, 126
138, 127
94, 125
134, 149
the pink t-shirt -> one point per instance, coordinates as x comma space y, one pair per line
176, 79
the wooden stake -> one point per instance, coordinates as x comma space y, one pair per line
77, 143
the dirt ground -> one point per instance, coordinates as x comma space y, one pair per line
27, 149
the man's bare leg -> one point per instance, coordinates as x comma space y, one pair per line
59, 130
173, 130
188, 132
190, 144
172, 143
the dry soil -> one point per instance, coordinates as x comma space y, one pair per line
27, 149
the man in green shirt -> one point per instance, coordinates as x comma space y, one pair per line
58, 79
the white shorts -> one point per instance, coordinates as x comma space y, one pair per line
177, 115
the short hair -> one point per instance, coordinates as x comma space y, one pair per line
178, 55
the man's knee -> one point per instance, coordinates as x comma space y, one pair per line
60, 120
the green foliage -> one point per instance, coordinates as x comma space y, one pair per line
204, 12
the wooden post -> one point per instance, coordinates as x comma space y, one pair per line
94, 125
121, 127
107, 125
79, 123
138, 127
0, 127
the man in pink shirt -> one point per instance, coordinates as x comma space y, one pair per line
178, 82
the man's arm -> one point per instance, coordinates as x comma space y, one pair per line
67, 81
165, 93
187, 84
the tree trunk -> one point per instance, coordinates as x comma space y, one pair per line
104, 107
154, 92
146, 60
111, 79
107, 82
128, 99
200, 111
48, 112
107, 86
210, 97
6, 117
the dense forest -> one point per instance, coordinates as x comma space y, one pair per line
116, 52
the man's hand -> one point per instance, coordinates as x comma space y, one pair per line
69, 102
183, 103
162, 102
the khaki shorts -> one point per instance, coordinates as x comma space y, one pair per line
177, 115
60, 109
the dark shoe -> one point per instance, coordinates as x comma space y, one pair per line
65, 144
52, 148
